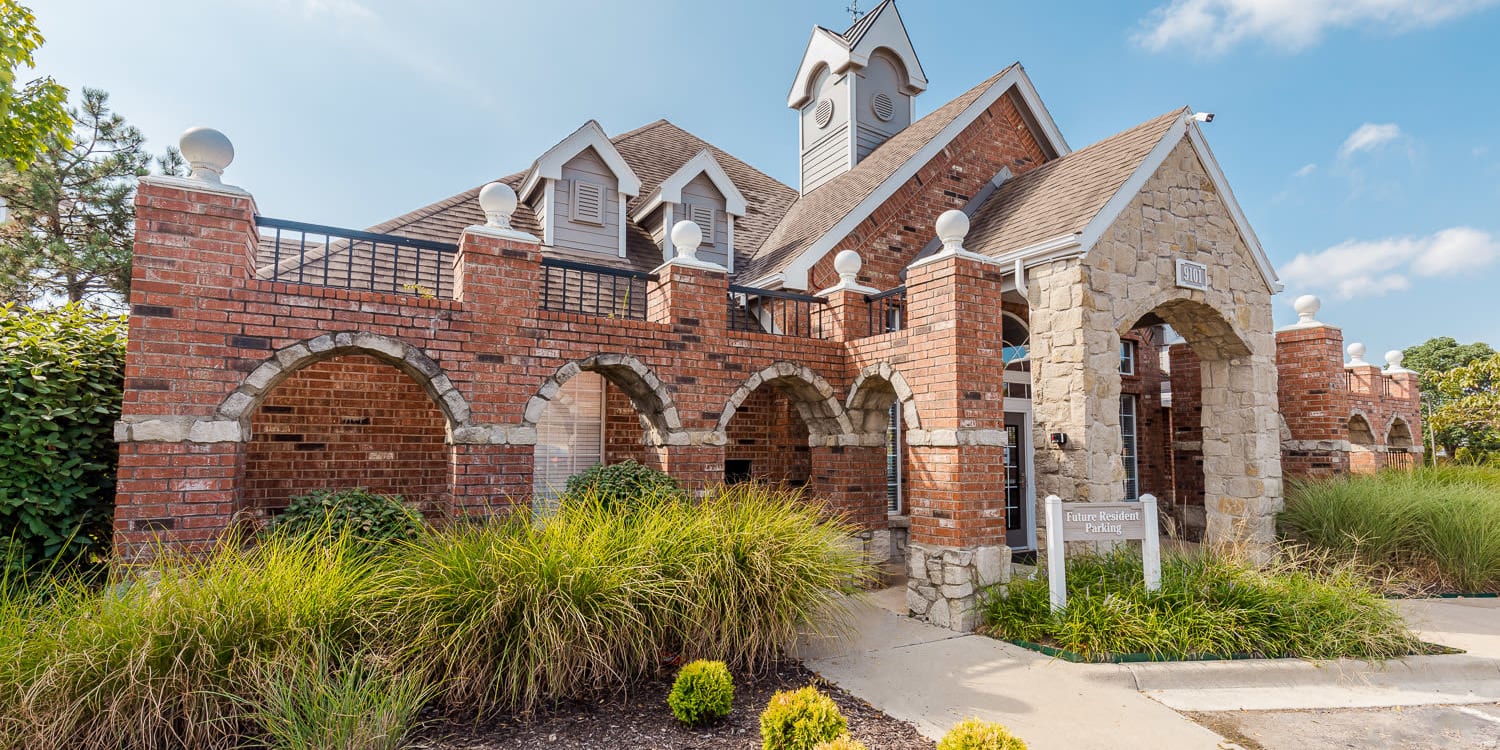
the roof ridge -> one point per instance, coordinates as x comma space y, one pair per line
1051, 166
658, 122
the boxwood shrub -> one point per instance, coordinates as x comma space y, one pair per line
623, 485
364, 516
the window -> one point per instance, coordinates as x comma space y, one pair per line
588, 202
703, 216
893, 460
1127, 357
1128, 440
569, 437
1015, 339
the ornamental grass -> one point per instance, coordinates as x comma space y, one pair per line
1437, 527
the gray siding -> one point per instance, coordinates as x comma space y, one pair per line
881, 76
701, 192
580, 236
825, 151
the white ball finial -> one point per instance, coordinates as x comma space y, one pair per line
952, 228
686, 237
1393, 360
499, 202
1307, 307
847, 263
207, 151
1357, 354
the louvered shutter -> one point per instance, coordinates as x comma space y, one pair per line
703, 216
588, 202
570, 435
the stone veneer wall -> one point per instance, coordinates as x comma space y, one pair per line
1081, 307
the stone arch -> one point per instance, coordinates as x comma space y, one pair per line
813, 397
239, 405
653, 402
1207, 330
1398, 434
870, 398
1361, 433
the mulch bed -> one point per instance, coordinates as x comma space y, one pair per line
642, 721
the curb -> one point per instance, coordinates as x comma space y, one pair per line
1408, 673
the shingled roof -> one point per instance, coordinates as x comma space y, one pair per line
819, 210
1061, 196
654, 151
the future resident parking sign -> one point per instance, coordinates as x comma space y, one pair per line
1100, 522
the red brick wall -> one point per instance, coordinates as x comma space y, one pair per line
893, 235
622, 430
1187, 426
1153, 464
1314, 399
767, 431
352, 421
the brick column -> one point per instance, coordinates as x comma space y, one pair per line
957, 467
1314, 400
691, 296
181, 466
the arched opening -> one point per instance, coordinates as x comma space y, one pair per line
600, 410
1399, 437
1193, 430
347, 421
1362, 445
770, 423
882, 407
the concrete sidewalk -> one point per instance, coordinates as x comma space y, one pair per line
934, 677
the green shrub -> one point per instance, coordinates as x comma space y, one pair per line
1441, 524
623, 485
511, 615
973, 734
800, 720
841, 742
362, 515
702, 692
315, 702
1305, 605
61, 375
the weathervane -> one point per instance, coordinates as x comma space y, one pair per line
853, 10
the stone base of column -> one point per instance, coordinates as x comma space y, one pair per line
943, 584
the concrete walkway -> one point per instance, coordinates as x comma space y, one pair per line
934, 678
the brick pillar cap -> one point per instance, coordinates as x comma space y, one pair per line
1393, 360
1307, 307
686, 237
208, 152
848, 263
1357, 355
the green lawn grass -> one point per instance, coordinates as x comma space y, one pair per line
1439, 527
1208, 606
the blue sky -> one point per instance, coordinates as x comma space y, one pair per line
1360, 136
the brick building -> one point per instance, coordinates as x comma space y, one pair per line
951, 317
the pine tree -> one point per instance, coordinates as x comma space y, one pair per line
72, 213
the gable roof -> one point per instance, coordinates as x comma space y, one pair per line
670, 189
590, 135
1060, 197
823, 217
882, 27
1063, 208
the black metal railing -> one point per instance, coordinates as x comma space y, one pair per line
776, 312
584, 288
301, 253
887, 310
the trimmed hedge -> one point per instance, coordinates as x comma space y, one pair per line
61, 380
365, 517
623, 485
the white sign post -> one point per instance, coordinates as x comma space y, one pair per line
1099, 522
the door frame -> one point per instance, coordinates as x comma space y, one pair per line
1022, 406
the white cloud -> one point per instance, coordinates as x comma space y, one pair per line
1376, 267
1306, 170
1369, 137
1212, 27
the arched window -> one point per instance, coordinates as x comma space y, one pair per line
1015, 339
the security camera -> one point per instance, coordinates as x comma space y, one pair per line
1203, 116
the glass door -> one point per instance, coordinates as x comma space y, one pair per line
1017, 507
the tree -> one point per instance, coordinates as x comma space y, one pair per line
33, 114
1470, 405
73, 213
1435, 359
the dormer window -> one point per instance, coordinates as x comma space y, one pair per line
579, 189
699, 191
